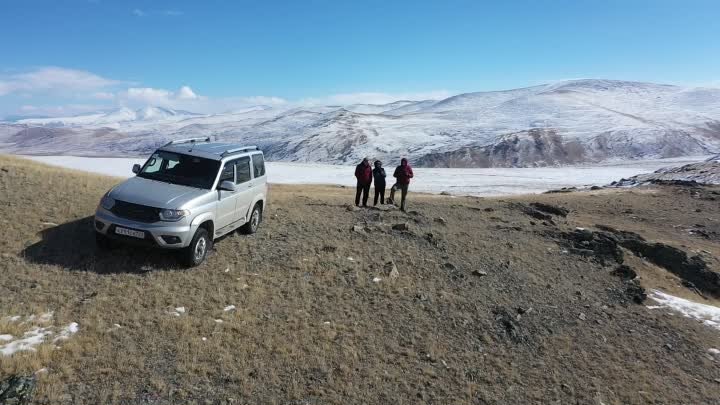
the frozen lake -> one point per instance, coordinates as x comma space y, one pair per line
478, 182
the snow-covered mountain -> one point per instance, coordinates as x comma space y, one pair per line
111, 118
570, 122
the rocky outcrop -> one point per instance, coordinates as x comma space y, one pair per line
17, 390
534, 147
605, 246
702, 173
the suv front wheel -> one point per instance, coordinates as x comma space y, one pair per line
199, 248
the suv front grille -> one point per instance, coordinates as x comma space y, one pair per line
136, 212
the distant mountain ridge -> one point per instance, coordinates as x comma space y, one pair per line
569, 122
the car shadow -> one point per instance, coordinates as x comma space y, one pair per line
72, 246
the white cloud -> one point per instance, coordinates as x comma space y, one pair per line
78, 91
148, 95
376, 97
264, 100
186, 93
172, 13
161, 97
139, 13
103, 95
53, 79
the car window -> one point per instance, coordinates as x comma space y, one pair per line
258, 165
243, 170
153, 164
228, 172
178, 168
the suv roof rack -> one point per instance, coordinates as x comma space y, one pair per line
238, 150
188, 140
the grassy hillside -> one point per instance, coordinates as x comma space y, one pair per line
490, 305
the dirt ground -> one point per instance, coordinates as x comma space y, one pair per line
488, 305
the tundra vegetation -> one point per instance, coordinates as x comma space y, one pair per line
534, 299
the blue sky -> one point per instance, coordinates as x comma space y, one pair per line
66, 57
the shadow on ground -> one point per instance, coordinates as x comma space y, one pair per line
72, 245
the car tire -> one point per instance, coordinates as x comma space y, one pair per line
102, 242
254, 223
198, 249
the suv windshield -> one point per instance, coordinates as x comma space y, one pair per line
177, 168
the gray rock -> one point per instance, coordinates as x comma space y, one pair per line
401, 227
441, 221
17, 390
479, 273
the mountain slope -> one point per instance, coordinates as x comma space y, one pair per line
577, 121
487, 305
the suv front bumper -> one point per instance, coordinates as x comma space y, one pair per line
158, 234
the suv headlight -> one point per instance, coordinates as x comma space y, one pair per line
173, 215
107, 202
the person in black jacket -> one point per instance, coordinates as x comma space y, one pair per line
379, 177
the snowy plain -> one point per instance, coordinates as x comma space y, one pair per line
476, 182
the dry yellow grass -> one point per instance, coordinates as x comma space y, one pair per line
312, 327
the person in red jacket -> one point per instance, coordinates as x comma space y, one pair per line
364, 176
403, 174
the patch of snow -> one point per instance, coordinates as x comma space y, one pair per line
714, 352
204, 339
67, 331
219, 321
28, 342
14, 318
35, 336
42, 318
707, 314
177, 311
41, 371
377, 280
229, 308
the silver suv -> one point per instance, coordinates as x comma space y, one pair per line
188, 193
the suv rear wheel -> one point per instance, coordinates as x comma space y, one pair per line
254, 223
199, 248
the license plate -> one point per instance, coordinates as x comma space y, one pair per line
130, 232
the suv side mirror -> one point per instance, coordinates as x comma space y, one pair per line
136, 168
227, 186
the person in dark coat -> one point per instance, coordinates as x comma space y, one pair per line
403, 174
379, 179
364, 176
